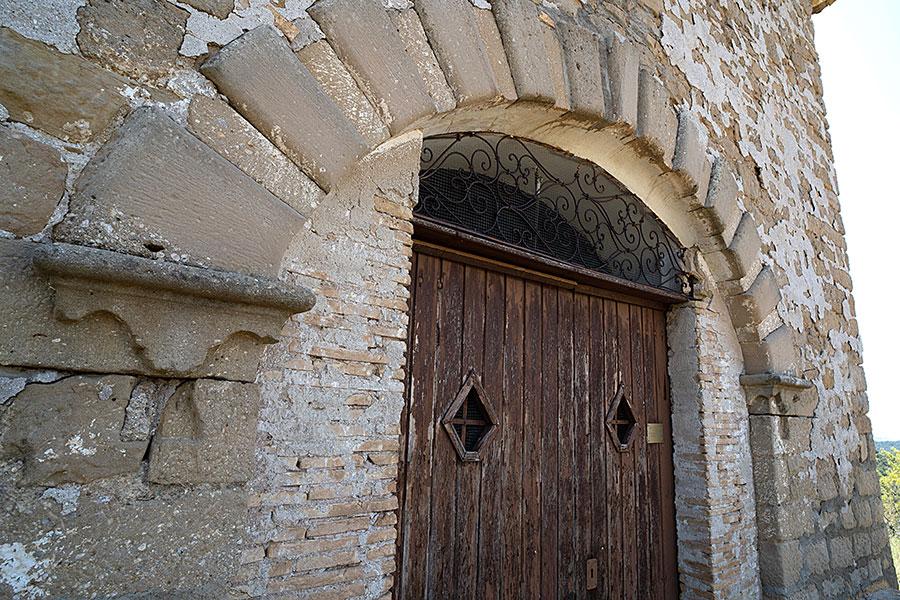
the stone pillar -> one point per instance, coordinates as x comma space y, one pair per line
713, 475
781, 408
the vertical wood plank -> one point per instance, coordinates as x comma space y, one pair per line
667, 473
629, 502
655, 589
639, 401
468, 474
611, 380
420, 393
583, 444
494, 515
566, 498
448, 380
549, 446
511, 479
600, 447
531, 450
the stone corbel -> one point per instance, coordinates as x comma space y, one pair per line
779, 395
177, 315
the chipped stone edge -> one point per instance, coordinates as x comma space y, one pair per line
82, 262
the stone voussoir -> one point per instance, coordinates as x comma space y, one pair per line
533, 51
657, 121
453, 30
586, 74
338, 83
722, 201
751, 307
139, 196
690, 154
224, 130
623, 67
415, 40
364, 37
274, 91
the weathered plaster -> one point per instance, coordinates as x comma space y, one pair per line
50, 21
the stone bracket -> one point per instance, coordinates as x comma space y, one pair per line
175, 313
779, 394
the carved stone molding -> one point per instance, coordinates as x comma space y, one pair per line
779, 395
78, 308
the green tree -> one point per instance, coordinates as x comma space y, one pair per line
888, 464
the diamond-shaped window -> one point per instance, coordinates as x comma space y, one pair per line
620, 420
470, 420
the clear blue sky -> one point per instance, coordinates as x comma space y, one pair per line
859, 45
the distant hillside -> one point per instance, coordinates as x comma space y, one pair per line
887, 445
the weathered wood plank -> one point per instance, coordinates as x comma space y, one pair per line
448, 380
513, 433
629, 502
531, 452
566, 499
549, 445
611, 380
582, 442
642, 507
496, 515
468, 475
416, 505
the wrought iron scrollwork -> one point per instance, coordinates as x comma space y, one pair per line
529, 196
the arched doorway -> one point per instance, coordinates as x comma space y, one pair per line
538, 455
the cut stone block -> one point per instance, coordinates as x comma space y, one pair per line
68, 431
64, 95
207, 434
690, 154
581, 49
750, 308
493, 44
173, 543
229, 134
275, 92
217, 8
138, 38
455, 34
777, 353
363, 35
623, 64
338, 83
657, 122
722, 200
139, 196
419, 50
34, 179
533, 51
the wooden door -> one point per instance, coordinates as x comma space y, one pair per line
552, 507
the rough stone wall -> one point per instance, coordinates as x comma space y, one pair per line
325, 510
751, 74
150, 447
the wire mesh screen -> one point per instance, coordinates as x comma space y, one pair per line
528, 196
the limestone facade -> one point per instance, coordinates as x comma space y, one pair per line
206, 237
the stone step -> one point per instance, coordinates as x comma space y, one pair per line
274, 91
